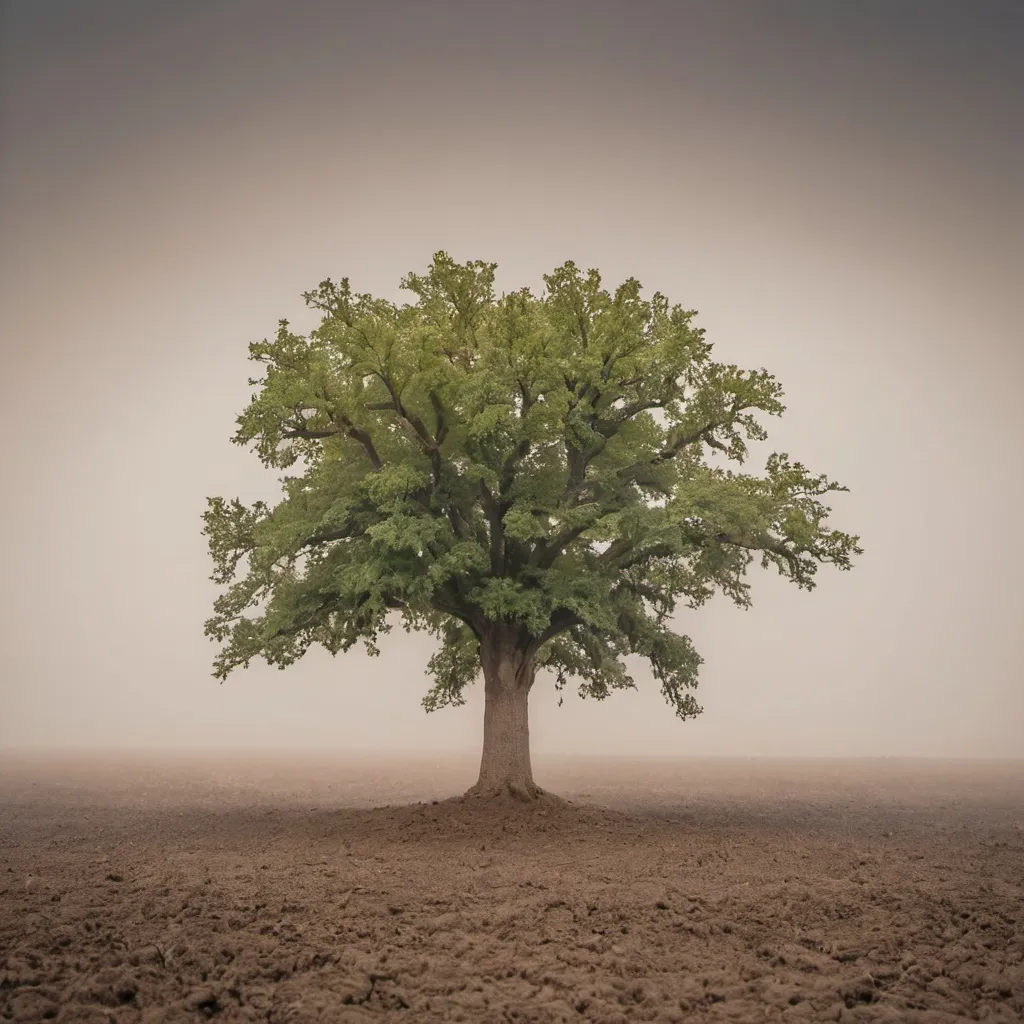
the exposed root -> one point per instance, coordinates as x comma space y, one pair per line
526, 793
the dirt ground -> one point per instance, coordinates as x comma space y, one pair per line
280, 889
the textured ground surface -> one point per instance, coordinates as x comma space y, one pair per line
243, 890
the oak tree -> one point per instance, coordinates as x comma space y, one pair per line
538, 481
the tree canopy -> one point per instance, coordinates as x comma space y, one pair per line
535, 464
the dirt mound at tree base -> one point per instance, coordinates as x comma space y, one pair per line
489, 818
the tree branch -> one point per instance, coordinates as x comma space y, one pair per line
342, 426
363, 437
766, 542
450, 605
342, 533
442, 420
497, 534
304, 434
706, 433
561, 620
546, 551
644, 555
409, 419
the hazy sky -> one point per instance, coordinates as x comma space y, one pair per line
835, 186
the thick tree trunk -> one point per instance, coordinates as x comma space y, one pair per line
505, 768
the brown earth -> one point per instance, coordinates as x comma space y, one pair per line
237, 889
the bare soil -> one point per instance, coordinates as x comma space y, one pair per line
278, 889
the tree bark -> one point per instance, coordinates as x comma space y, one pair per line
505, 768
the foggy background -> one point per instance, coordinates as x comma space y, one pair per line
836, 187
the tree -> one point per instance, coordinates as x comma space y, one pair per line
530, 479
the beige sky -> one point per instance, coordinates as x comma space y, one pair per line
835, 187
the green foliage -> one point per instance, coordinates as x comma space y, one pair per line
530, 466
